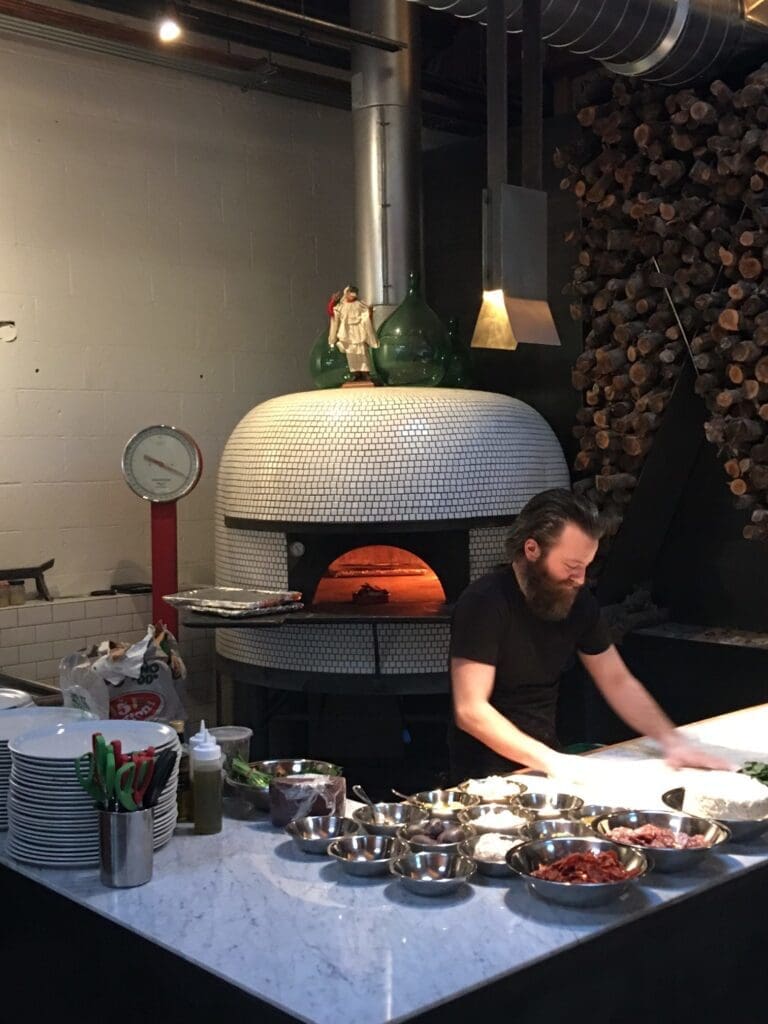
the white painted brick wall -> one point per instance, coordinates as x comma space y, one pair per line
33, 651
167, 246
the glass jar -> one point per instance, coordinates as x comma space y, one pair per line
458, 373
413, 343
327, 366
18, 594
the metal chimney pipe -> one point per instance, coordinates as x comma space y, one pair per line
386, 122
672, 42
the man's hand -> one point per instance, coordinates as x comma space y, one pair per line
679, 753
632, 702
571, 769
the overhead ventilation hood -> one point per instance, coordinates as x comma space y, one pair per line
515, 309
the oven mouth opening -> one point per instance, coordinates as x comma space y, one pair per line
378, 574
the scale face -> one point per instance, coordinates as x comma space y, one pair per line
161, 463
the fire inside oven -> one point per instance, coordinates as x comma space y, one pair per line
416, 570
377, 574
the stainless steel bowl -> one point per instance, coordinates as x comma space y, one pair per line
312, 835
550, 805
485, 818
433, 874
495, 868
556, 828
392, 818
279, 767
366, 855
589, 812
443, 803
258, 796
506, 791
741, 831
524, 860
661, 859
415, 846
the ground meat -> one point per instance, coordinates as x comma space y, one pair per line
585, 867
657, 838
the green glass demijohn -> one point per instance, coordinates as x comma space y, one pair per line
413, 343
327, 366
458, 373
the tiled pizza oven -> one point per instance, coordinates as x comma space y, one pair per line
308, 477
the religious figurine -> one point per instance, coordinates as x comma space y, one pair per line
351, 331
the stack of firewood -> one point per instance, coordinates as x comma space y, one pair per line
672, 265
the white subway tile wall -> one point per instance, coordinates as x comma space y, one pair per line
34, 651
168, 247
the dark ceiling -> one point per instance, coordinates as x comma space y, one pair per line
452, 59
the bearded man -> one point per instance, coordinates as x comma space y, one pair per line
513, 633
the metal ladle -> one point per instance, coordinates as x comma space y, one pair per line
402, 796
377, 815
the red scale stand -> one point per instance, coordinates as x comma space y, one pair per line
162, 464
165, 563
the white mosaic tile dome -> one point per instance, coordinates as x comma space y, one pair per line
367, 455
364, 455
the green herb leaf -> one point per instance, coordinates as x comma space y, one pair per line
757, 769
242, 770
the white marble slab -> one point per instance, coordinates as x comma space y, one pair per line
296, 932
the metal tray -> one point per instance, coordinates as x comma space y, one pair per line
237, 599
245, 613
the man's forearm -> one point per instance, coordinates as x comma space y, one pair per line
632, 703
490, 727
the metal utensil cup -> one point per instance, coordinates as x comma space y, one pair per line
125, 846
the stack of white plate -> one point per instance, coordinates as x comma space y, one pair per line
52, 820
10, 698
5, 775
15, 721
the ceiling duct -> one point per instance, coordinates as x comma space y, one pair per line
386, 121
671, 42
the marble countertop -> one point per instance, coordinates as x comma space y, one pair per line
296, 932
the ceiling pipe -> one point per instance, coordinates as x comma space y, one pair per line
386, 121
532, 83
41, 23
248, 67
279, 19
672, 42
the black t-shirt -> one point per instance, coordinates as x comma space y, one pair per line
493, 624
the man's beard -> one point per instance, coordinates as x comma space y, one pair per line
547, 598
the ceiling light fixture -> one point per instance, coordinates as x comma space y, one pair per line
169, 28
514, 308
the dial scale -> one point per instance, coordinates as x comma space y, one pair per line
161, 463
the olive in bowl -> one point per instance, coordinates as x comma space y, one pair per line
439, 834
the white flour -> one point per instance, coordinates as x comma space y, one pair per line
494, 820
494, 787
725, 795
493, 847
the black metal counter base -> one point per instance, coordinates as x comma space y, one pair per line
701, 958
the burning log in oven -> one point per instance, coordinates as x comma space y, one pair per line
377, 574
